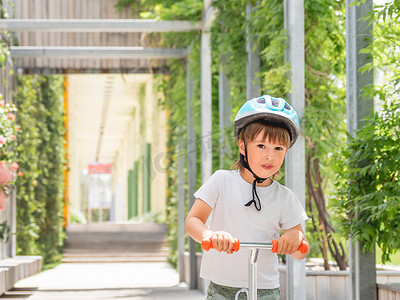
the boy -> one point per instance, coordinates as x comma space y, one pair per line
265, 129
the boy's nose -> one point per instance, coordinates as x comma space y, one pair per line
269, 155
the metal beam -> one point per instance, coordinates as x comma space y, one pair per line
97, 52
295, 158
358, 33
97, 25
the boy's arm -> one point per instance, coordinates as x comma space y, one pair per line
196, 219
290, 241
196, 228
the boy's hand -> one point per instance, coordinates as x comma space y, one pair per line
290, 241
222, 241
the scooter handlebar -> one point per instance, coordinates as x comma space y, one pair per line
208, 244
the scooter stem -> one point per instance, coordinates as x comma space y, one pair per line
253, 273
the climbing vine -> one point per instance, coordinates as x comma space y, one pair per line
40, 150
366, 202
324, 117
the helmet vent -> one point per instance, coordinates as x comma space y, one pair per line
261, 100
287, 107
275, 102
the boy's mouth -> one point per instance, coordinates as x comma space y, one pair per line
267, 167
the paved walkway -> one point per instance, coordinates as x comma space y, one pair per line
103, 281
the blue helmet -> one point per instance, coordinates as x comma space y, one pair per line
271, 110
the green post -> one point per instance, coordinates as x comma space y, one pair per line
146, 178
135, 177
130, 200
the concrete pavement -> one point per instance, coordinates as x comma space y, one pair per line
138, 281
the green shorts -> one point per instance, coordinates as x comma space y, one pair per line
220, 292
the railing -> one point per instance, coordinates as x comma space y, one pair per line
389, 291
335, 284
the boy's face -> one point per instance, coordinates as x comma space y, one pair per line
265, 156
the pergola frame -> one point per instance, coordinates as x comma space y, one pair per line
97, 52
295, 164
98, 25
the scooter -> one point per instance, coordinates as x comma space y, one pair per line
254, 249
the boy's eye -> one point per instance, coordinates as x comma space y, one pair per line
261, 146
279, 148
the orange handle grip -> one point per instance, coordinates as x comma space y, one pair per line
208, 244
303, 248
274, 246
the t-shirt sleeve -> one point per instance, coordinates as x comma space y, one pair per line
209, 191
293, 213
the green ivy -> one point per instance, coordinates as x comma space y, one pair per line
368, 194
367, 198
41, 155
52, 156
29, 209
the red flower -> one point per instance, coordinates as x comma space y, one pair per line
2, 103
20, 173
14, 166
11, 116
2, 140
13, 137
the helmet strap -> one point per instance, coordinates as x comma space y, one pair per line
244, 161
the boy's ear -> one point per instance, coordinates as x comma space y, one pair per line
241, 147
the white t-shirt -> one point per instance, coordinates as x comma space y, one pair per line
226, 192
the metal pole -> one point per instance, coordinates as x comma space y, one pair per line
191, 169
225, 118
362, 265
206, 96
13, 238
295, 159
206, 108
181, 205
253, 87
